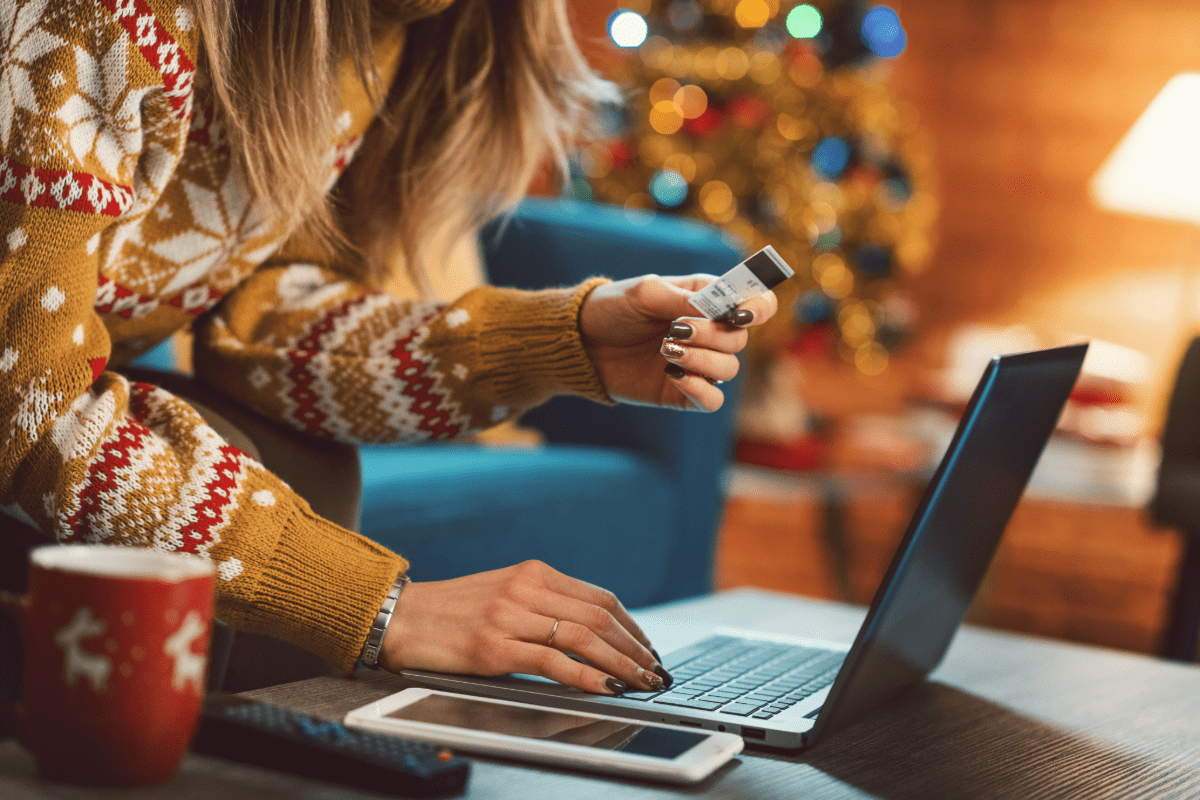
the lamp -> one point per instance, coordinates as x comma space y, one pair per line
1155, 169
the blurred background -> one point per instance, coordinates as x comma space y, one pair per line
934, 170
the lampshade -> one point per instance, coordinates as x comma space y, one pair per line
1155, 169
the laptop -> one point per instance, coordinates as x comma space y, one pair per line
789, 693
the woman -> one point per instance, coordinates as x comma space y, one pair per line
244, 167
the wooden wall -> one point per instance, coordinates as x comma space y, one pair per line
1022, 100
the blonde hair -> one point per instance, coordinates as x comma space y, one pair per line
486, 92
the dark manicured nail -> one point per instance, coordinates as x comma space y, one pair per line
653, 681
615, 686
675, 371
742, 317
680, 330
654, 653
661, 672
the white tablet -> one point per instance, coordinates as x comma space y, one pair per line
547, 735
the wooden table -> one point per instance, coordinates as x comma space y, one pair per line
1004, 716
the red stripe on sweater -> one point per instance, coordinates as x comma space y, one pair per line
159, 48
103, 475
62, 189
307, 413
416, 384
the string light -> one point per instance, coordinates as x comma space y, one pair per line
668, 187
804, 21
883, 33
627, 28
752, 13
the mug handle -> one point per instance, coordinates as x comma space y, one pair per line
12, 714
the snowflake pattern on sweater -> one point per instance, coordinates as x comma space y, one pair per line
124, 218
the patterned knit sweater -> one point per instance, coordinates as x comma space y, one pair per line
123, 218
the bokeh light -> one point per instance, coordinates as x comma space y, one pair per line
669, 188
804, 21
718, 202
883, 33
830, 157
871, 358
690, 101
752, 13
663, 89
665, 118
765, 68
627, 28
682, 163
732, 63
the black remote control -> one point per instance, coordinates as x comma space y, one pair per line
271, 736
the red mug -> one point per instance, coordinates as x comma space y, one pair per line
116, 651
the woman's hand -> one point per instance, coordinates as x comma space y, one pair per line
625, 325
505, 621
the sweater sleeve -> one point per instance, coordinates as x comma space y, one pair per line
93, 108
315, 349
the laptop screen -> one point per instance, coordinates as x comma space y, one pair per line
955, 530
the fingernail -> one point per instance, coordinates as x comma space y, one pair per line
661, 672
742, 317
657, 657
672, 350
651, 680
615, 686
675, 371
680, 330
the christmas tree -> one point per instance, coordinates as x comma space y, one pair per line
774, 121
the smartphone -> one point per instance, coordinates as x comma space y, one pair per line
548, 735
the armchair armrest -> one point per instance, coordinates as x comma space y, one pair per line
560, 243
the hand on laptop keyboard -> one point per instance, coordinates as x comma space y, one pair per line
747, 678
524, 618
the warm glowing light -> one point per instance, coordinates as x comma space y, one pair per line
664, 118
663, 89
705, 63
669, 188
717, 200
653, 149
883, 33
1155, 169
682, 163
856, 324
732, 63
804, 22
871, 358
792, 128
752, 13
627, 28
806, 70
765, 68
690, 101
821, 216
837, 281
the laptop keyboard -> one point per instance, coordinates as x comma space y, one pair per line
746, 678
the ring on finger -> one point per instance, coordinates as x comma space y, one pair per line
554, 630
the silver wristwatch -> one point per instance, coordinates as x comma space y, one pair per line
370, 651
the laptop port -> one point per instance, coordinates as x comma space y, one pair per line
690, 724
754, 733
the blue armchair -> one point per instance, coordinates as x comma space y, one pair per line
627, 497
